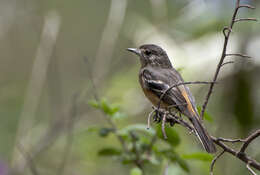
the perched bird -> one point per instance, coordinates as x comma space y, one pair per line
156, 76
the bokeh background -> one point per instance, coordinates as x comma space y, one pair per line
51, 49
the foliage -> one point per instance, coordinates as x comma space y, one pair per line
141, 147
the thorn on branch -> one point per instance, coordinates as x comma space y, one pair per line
245, 19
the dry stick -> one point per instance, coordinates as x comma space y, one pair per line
226, 32
219, 141
28, 159
238, 54
163, 126
214, 161
245, 19
250, 169
249, 139
149, 118
230, 140
228, 62
242, 156
246, 6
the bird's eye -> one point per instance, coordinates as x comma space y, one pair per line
147, 52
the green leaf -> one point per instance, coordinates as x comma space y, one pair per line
173, 137
118, 115
94, 104
183, 164
105, 106
174, 157
103, 132
91, 129
198, 156
109, 152
136, 127
136, 171
206, 116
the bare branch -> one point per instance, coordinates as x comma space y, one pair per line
218, 141
28, 159
163, 126
226, 32
249, 139
228, 62
238, 54
245, 19
250, 169
149, 118
246, 6
242, 156
214, 161
179, 84
230, 140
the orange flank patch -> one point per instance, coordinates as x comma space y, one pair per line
189, 105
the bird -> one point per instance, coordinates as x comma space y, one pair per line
156, 76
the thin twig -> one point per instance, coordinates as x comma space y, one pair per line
250, 169
249, 139
28, 159
230, 140
149, 118
243, 157
163, 126
238, 54
226, 32
245, 19
214, 161
219, 141
179, 84
228, 62
246, 6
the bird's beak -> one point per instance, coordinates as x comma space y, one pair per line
135, 50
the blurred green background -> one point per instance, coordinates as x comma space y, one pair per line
51, 49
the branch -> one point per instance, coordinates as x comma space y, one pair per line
179, 84
249, 139
239, 154
226, 32
28, 159
245, 19
228, 62
250, 169
214, 161
218, 141
238, 54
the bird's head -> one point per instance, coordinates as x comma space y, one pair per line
152, 55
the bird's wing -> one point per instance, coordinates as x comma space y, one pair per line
158, 82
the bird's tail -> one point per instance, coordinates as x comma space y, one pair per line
203, 135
